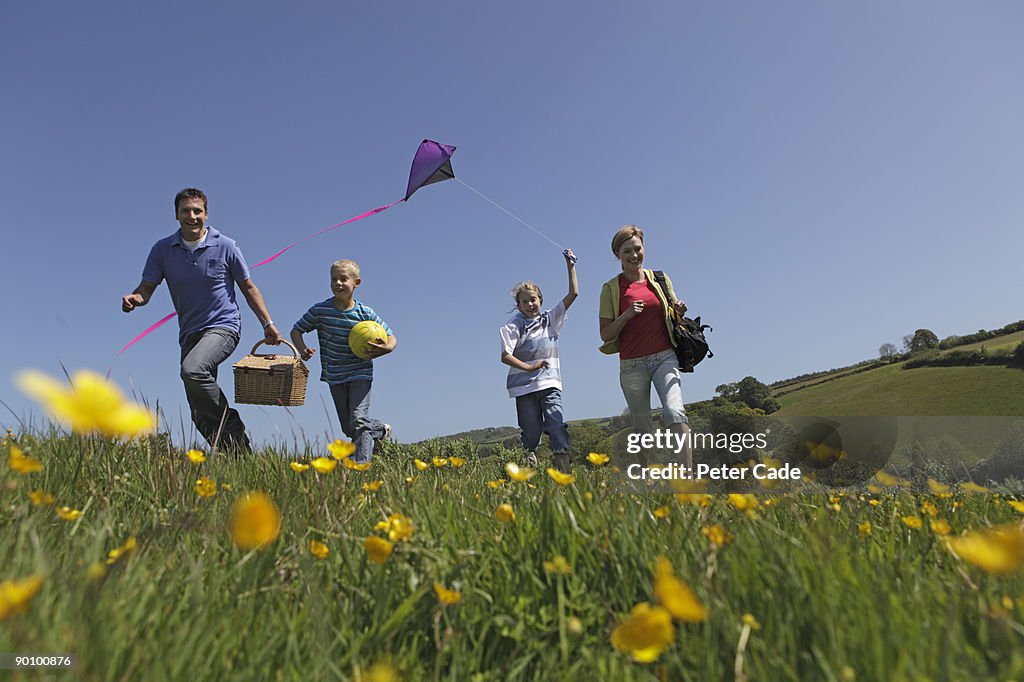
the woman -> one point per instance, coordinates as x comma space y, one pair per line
636, 323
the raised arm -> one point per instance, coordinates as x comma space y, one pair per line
139, 297
574, 286
255, 300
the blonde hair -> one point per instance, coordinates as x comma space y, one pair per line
624, 235
528, 285
349, 266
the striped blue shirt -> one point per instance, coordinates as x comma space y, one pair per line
533, 340
338, 363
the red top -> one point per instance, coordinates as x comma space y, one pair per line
646, 333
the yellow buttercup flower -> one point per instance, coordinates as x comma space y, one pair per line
874, 489
914, 522
206, 487
377, 549
255, 521
89, 404
22, 463
383, 671
324, 465
675, 595
411, 479
940, 526
1017, 505
716, 535
446, 596
890, 480
340, 449
645, 633
864, 529
519, 474
372, 487
597, 459
743, 502
496, 484
298, 467
40, 498
440, 462
505, 513
420, 464
700, 499
68, 514
398, 527
998, 550
127, 548
318, 549
361, 466
559, 478
936, 487
662, 512
684, 487
558, 565
748, 619
16, 595
929, 509
456, 461
196, 456
972, 487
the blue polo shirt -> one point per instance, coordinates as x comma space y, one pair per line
202, 283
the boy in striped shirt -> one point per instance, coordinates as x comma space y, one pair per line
348, 376
529, 346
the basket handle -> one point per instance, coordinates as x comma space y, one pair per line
262, 341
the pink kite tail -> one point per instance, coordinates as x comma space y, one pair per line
141, 336
327, 229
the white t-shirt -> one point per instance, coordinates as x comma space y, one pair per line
533, 340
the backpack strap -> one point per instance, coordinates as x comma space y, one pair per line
659, 277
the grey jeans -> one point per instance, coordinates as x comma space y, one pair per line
201, 353
352, 401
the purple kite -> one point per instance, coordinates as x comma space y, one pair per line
432, 163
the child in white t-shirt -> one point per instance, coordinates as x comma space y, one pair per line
529, 346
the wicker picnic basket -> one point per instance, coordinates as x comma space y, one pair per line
271, 379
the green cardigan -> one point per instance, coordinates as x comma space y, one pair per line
609, 308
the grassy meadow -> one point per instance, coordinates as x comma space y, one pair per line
800, 583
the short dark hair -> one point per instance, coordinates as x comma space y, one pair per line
189, 193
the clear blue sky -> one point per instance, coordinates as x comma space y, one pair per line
817, 178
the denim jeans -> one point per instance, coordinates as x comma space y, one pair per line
636, 377
352, 401
201, 353
542, 410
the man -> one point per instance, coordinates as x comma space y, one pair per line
201, 267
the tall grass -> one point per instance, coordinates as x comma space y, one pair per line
188, 604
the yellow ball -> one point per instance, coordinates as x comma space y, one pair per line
362, 334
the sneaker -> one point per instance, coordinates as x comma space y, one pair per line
387, 432
531, 459
562, 462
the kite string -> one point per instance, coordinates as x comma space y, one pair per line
510, 213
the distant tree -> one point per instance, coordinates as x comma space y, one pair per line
923, 339
727, 391
754, 394
907, 341
887, 351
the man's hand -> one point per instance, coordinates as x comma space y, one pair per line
272, 336
131, 302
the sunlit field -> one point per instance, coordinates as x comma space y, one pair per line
432, 564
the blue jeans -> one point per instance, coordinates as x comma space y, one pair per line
542, 410
201, 353
636, 377
352, 401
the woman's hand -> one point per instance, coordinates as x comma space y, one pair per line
680, 308
633, 310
